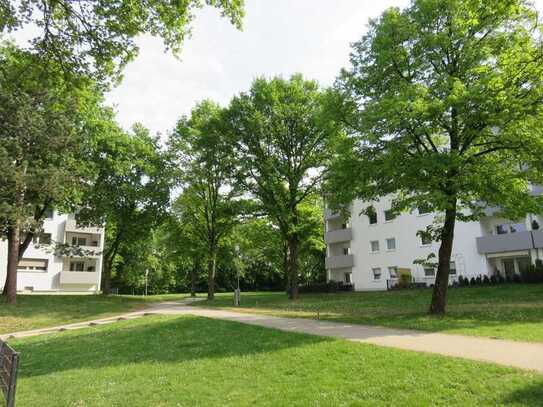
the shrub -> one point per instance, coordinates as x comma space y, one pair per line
472, 281
533, 274
493, 279
478, 280
486, 280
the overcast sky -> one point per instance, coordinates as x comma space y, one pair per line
279, 37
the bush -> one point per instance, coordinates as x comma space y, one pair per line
534, 273
486, 280
493, 279
472, 281
328, 287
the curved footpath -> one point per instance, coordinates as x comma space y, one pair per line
522, 355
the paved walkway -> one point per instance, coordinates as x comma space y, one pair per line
517, 354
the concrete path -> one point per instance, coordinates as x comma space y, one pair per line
517, 354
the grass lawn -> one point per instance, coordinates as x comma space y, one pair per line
191, 361
39, 311
505, 311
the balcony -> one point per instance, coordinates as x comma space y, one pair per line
338, 262
329, 215
79, 277
506, 243
72, 226
340, 235
89, 252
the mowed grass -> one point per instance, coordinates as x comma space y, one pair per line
39, 311
505, 311
192, 361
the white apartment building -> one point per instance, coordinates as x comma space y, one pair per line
41, 270
369, 251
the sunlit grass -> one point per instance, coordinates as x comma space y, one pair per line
505, 311
38, 311
189, 361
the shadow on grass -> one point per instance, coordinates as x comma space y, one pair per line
526, 396
158, 339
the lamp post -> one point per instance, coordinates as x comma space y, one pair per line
237, 291
146, 280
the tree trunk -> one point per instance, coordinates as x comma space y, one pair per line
293, 243
106, 275
439, 296
285, 268
193, 282
211, 268
10, 287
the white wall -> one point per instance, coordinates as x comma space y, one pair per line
408, 246
49, 280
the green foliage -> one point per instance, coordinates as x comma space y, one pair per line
43, 138
210, 202
129, 192
98, 37
189, 361
442, 103
283, 140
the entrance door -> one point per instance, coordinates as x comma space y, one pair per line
523, 264
509, 267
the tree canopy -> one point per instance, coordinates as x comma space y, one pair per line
283, 141
442, 103
98, 37
43, 139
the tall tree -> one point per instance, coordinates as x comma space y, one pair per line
98, 36
130, 191
204, 158
43, 137
282, 140
443, 104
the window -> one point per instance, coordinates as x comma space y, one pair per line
389, 215
376, 273
346, 251
48, 214
506, 228
429, 271
79, 241
372, 215
348, 278
343, 226
452, 268
77, 266
42, 238
393, 272
426, 240
424, 209
517, 227
391, 243
32, 265
374, 246
91, 268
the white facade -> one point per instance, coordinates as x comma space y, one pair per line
369, 255
40, 270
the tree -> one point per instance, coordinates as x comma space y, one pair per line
130, 191
204, 158
443, 106
97, 37
282, 140
43, 137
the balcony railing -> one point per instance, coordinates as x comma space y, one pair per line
340, 235
79, 277
329, 215
72, 226
505, 243
336, 262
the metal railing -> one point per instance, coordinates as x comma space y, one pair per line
9, 365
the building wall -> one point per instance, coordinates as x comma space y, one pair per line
49, 280
408, 246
